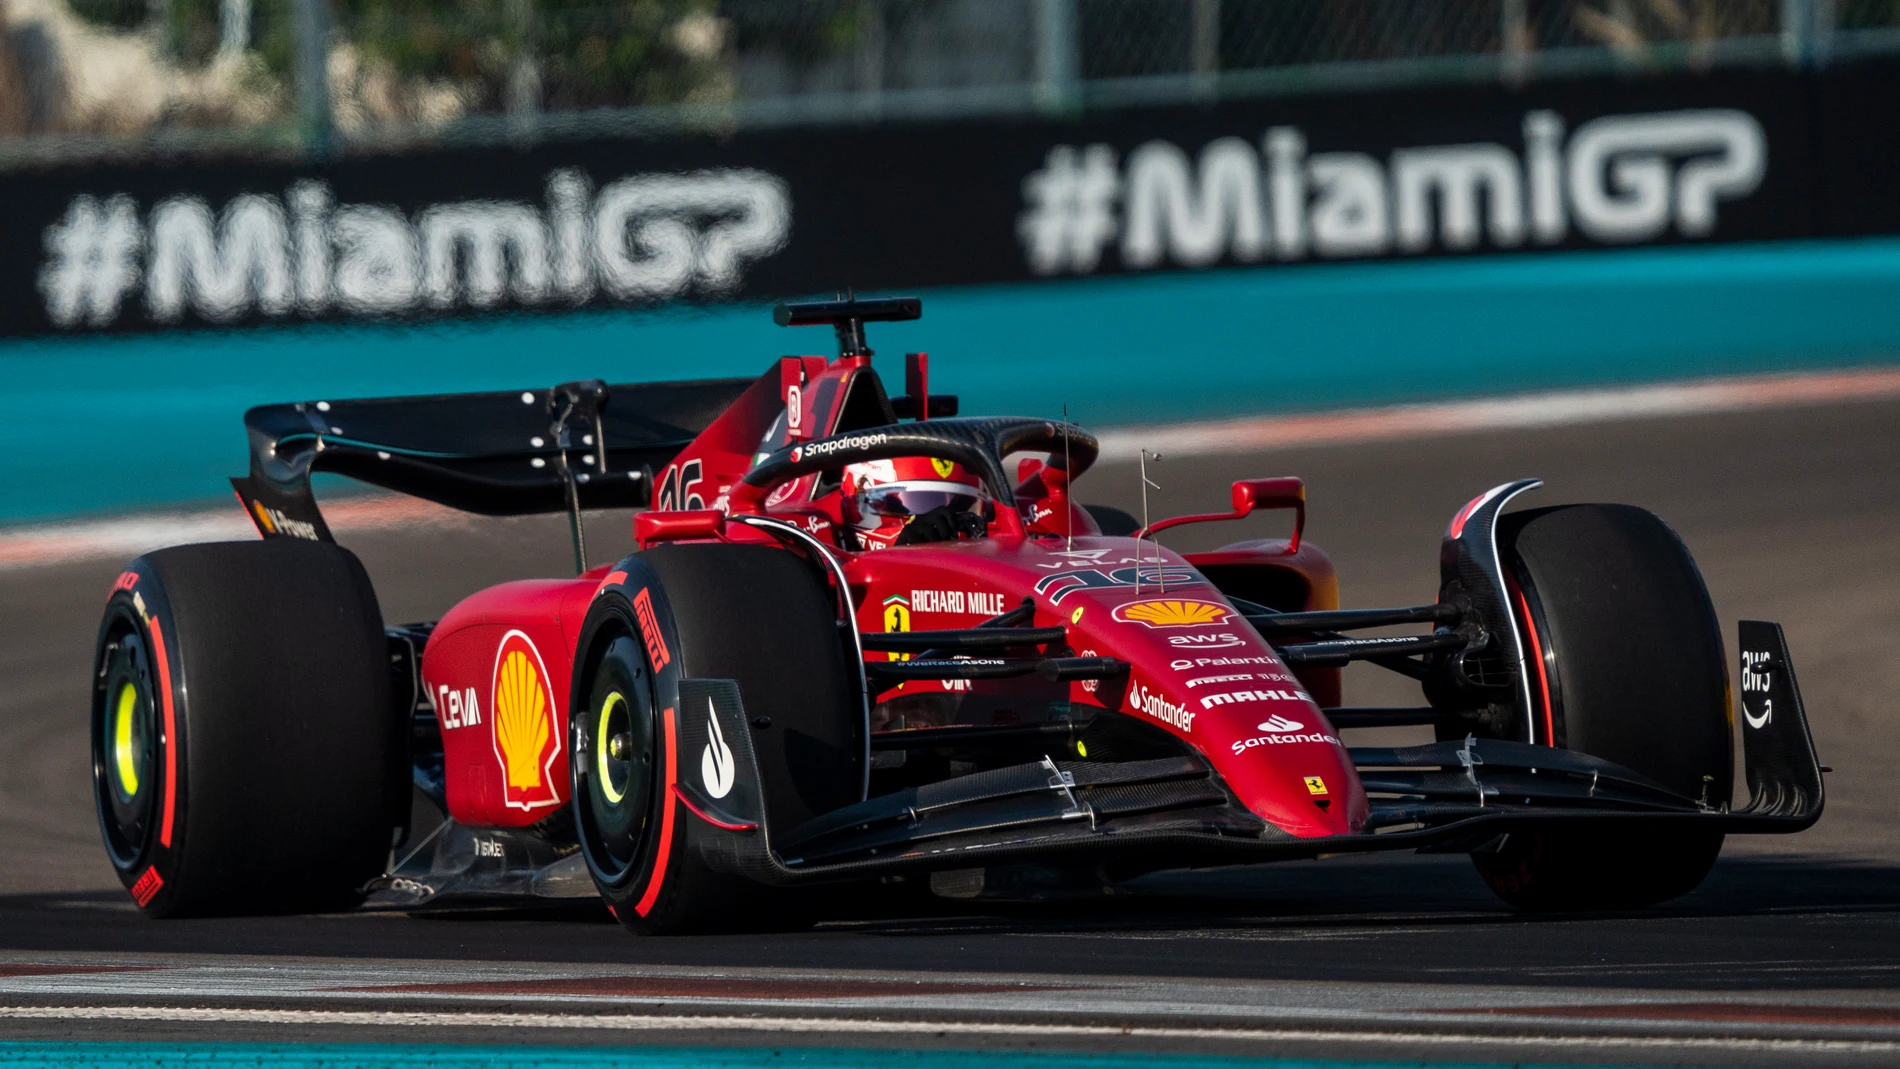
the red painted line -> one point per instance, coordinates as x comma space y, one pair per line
707, 988
703, 815
127, 537
666, 824
1727, 1012
1553, 409
70, 970
171, 735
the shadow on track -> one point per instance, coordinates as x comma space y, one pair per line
1781, 922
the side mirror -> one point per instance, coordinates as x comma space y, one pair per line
1284, 492
654, 527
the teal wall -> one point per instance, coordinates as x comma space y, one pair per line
99, 424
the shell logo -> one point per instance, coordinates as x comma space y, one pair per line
1173, 613
522, 712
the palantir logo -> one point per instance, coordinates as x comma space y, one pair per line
715, 763
1619, 179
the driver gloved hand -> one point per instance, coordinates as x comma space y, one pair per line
940, 524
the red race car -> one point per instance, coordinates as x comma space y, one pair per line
868, 645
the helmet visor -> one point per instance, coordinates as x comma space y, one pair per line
916, 498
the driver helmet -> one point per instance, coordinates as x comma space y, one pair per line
882, 496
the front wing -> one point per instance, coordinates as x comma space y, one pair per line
1453, 796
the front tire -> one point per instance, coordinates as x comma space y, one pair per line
1627, 664
244, 747
749, 613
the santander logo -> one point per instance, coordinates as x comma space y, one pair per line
1279, 724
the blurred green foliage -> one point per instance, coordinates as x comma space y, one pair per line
575, 54
580, 53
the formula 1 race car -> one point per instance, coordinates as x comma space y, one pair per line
1018, 696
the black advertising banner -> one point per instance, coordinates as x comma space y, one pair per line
1857, 128
1730, 156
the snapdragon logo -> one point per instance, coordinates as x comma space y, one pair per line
639, 239
1620, 179
825, 448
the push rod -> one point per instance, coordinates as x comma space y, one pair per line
983, 638
1286, 623
1341, 651
925, 738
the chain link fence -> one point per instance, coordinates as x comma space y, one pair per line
85, 78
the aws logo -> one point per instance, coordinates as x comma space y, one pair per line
521, 709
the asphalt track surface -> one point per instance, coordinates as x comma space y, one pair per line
1789, 954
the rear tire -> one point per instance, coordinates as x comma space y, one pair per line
754, 614
245, 750
1113, 521
1615, 614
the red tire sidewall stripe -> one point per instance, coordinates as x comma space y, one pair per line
171, 734
665, 852
1537, 659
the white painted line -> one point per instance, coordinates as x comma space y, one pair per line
126, 537
123, 538
1557, 409
851, 1026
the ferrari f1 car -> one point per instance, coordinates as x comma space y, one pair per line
755, 712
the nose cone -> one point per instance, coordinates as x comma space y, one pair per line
1269, 742
1300, 781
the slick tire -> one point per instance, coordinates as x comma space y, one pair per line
1627, 665
750, 613
245, 751
1113, 521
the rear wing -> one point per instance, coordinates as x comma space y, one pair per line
508, 453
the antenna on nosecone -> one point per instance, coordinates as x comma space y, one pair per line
1068, 520
1161, 573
